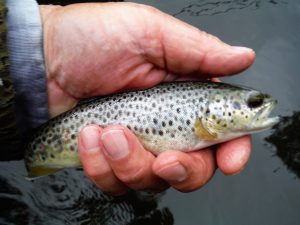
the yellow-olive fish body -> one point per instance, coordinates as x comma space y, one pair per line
182, 116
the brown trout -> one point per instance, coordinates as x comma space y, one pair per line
183, 116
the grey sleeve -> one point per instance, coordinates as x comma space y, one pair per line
26, 58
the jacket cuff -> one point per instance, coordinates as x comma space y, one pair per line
27, 70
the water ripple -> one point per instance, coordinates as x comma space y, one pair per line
210, 8
70, 198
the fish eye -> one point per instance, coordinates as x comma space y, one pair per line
255, 101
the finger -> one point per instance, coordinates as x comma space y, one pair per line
232, 156
131, 163
94, 162
185, 172
186, 49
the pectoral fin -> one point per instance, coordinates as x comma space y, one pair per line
202, 132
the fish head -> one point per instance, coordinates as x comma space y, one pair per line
233, 113
253, 115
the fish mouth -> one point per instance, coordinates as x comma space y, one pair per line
263, 121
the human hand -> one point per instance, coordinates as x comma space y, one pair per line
100, 49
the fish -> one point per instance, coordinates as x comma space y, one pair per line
183, 116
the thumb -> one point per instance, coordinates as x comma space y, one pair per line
187, 50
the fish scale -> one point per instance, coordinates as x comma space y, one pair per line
183, 116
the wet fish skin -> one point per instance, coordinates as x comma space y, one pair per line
182, 116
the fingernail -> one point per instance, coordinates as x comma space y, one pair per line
240, 49
173, 172
115, 144
90, 138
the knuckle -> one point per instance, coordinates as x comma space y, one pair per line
189, 187
102, 174
133, 177
196, 179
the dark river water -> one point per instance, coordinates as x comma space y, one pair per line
267, 191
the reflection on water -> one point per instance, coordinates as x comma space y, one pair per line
286, 139
69, 198
209, 8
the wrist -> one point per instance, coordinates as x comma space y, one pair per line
59, 100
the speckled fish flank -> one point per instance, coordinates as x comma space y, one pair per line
182, 116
